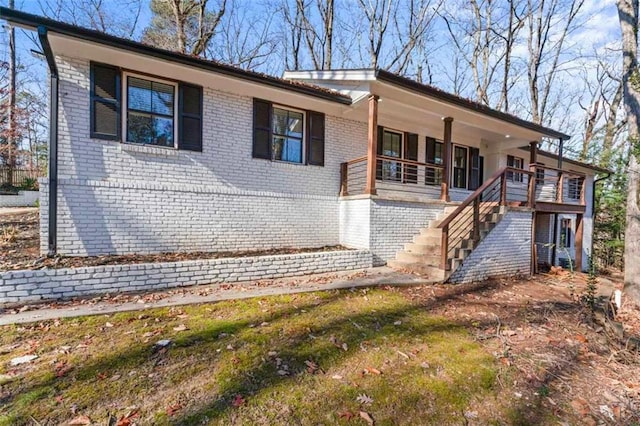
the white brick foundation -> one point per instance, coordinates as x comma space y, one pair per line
45, 284
506, 251
22, 199
383, 225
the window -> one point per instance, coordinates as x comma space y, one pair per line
460, 163
540, 174
289, 135
435, 155
565, 233
574, 188
287, 142
391, 147
153, 111
516, 163
150, 107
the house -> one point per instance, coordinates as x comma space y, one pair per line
153, 151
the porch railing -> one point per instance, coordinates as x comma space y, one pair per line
412, 174
465, 227
559, 186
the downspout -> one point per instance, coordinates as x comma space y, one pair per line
53, 142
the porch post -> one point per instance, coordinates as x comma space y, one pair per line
446, 161
560, 152
533, 159
370, 187
578, 244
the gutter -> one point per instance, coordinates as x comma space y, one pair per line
52, 234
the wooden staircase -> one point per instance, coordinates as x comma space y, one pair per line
442, 247
423, 256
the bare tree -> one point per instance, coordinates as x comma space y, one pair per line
377, 15
186, 26
318, 38
546, 18
628, 15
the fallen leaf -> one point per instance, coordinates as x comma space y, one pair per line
363, 398
367, 418
172, 409
23, 359
108, 324
348, 415
238, 401
102, 376
181, 327
371, 370
80, 421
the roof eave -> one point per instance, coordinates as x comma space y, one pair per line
392, 78
33, 21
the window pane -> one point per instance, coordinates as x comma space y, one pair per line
162, 99
279, 121
139, 94
278, 147
294, 127
391, 143
294, 150
438, 155
139, 128
460, 157
162, 131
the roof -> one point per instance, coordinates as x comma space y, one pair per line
570, 161
34, 21
439, 94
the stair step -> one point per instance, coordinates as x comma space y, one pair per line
427, 259
431, 232
427, 240
418, 268
432, 250
462, 253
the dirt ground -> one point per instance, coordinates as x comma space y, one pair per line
565, 362
20, 248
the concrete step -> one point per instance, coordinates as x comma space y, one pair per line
431, 232
431, 250
410, 257
427, 240
418, 268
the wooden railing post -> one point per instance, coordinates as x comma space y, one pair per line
444, 247
583, 184
344, 170
370, 187
446, 160
476, 220
503, 189
560, 187
531, 202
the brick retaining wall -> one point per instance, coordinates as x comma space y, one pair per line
46, 284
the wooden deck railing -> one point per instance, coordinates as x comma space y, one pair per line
413, 174
508, 186
559, 186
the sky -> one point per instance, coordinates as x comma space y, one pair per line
598, 33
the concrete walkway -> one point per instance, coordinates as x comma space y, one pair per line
208, 293
16, 210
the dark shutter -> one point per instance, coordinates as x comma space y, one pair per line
379, 152
105, 101
411, 153
262, 129
190, 117
315, 138
474, 169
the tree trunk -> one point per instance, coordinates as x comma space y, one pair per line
12, 139
628, 14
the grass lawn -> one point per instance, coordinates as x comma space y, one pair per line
314, 358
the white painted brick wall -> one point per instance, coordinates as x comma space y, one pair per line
383, 226
22, 199
116, 198
505, 251
35, 285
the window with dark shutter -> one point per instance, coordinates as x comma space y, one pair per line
434, 155
379, 152
315, 138
411, 153
105, 101
261, 129
190, 117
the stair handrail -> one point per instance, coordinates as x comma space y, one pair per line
475, 199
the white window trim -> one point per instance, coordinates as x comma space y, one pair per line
125, 110
304, 135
